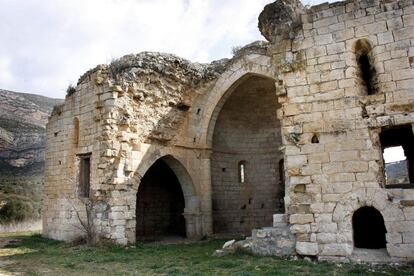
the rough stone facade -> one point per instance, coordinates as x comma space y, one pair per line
294, 127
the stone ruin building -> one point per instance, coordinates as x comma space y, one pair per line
283, 142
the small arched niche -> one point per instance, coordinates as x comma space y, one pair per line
369, 228
366, 68
315, 139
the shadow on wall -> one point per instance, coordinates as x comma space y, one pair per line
245, 161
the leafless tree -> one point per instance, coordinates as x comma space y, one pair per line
85, 225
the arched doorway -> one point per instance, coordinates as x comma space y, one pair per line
369, 228
245, 162
160, 204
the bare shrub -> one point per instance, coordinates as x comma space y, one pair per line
86, 225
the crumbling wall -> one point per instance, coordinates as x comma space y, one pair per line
149, 106
130, 112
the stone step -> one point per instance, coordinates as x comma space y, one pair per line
279, 218
276, 241
371, 256
280, 225
266, 232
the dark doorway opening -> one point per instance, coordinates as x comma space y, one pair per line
160, 204
369, 228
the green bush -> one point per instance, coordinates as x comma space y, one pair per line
14, 210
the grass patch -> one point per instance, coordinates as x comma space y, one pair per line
35, 255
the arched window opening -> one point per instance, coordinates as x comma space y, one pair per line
242, 171
76, 131
367, 71
369, 228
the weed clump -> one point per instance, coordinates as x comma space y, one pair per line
70, 90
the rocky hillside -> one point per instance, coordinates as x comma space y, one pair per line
397, 172
23, 118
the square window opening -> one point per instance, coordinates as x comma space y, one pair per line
84, 175
396, 167
398, 155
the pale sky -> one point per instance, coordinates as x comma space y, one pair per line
394, 154
47, 44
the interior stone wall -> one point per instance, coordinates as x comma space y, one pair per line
247, 129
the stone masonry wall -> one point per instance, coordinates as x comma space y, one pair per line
63, 203
248, 130
129, 113
320, 88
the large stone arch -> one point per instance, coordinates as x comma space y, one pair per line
192, 212
180, 171
254, 201
222, 101
241, 69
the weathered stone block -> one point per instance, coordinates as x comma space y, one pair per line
385, 38
342, 177
337, 249
343, 156
280, 218
408, 238
326, 237
342, 187
323, 218
300, 228
307, 248
401, 250
301, 218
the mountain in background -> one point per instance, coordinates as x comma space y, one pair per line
23, 119
397, 172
